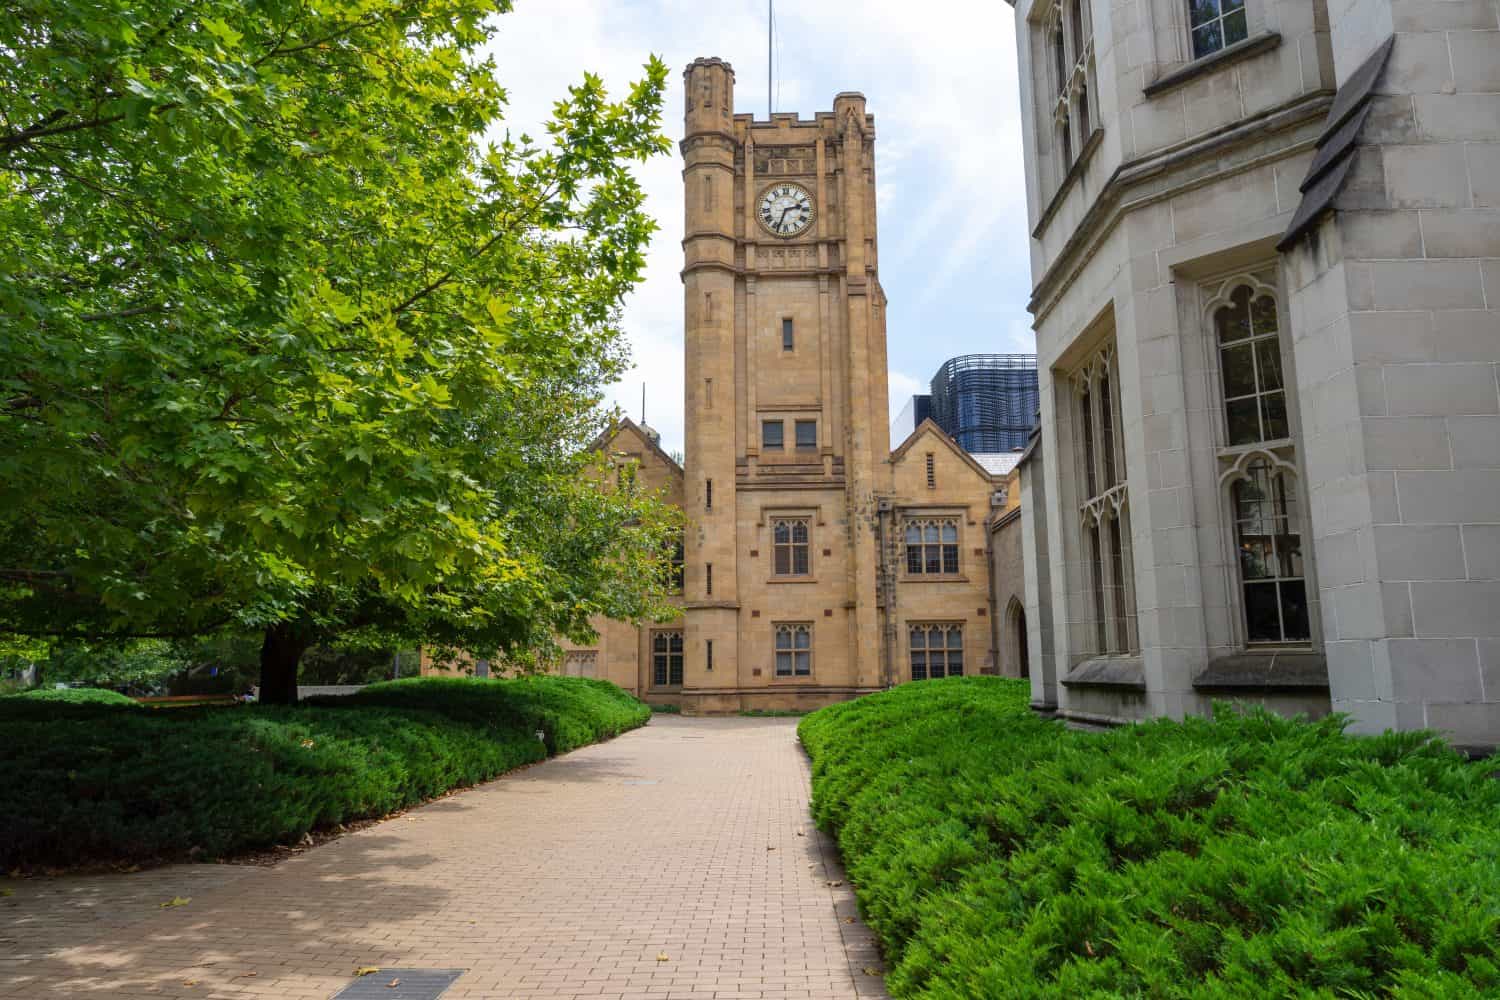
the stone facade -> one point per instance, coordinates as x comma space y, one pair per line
1008, 624
1266, 254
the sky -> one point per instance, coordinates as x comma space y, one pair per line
940, 79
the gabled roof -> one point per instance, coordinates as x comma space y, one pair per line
930, 426
606, 437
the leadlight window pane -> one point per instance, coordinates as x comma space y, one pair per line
1107, 432
783, 664
799, 560
1270, 547
950, 558
1273, 416
955, 663
1262, 617
799, 531
1244, 422
1239, 371
914, 558
913, 534
918, 666
950, 532
783, 560
803, 663
955, 638
1096, 567
1268, 362
934, 559
1086, 401
1236, 27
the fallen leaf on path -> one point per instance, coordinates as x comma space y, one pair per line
247, 975
190, 982
393, 984
770, 848
833, 884
663, 957
177, 901
367, 970
871, 972
848, 920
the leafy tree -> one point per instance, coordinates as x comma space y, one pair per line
284, 347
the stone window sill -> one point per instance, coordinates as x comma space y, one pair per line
1263, 42
934, 578
792, 579
1109, 672
1265, 670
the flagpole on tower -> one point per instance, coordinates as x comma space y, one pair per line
770, 31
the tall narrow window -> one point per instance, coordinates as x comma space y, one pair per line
1250, 368
936, 650
1216, 24
708, 578
788, 340
931, 472
807, 435
708, 394
708, 494
1096, 589
1090, 479
790, 547
676, 559
708, 654
770, 435
793, 649
666, 659
1106, 581
932, 546
1107, 431
1270, 550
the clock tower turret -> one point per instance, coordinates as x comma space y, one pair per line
787, 446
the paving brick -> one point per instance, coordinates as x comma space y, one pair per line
566, 880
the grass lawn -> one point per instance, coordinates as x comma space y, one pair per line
94, 778
996, 854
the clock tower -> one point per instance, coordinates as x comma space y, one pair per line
786, 397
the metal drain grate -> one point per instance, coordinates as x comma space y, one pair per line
411, 984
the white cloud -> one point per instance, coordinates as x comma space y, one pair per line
951, 191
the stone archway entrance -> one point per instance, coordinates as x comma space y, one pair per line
1015, 628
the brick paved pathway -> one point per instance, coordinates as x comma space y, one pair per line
689, 838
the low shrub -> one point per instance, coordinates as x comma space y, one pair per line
103, 783
75, 696
996, 854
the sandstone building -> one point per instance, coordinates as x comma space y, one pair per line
1266, 262
818, 564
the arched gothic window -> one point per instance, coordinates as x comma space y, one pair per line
1249, 341
790, 547
932, 545
1268, 537
793, 649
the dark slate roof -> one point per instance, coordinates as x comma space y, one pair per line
1351, 106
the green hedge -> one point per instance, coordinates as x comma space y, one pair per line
109, 783
76, 696
999, 855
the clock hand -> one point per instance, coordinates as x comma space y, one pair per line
782, 221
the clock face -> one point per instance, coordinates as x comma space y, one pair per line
786, 210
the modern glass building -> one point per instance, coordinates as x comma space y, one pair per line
986, 402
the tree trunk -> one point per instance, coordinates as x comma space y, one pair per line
279, 656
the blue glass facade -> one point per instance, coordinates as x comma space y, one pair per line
986, 402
